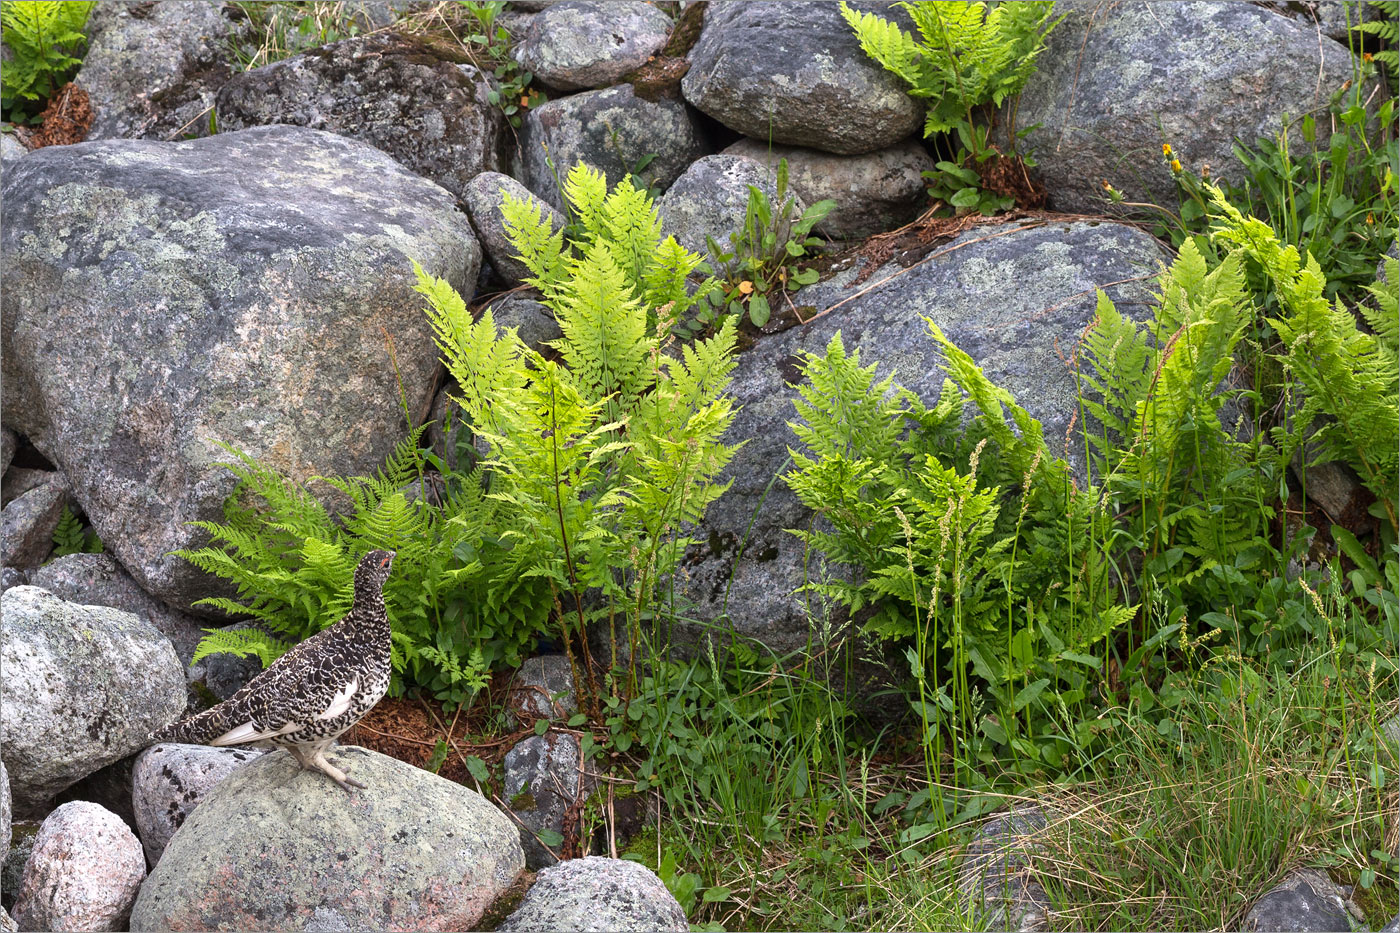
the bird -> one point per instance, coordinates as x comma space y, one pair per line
317, 690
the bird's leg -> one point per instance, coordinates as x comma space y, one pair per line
306, 761
335, 774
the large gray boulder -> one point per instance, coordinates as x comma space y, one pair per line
712, 199
582, 44
83, 687
1012, 298
391, 91
1118, 81
795, 73
612, 130
168, 781
98, 580
151, 69
412, 851
83, 873
605, 895
875, 192
252, 288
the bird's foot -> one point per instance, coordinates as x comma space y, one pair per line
341, 777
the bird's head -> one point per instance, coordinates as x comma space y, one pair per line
373, 570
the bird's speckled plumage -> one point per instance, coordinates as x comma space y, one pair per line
314, 692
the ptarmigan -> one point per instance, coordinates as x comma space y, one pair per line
315, 691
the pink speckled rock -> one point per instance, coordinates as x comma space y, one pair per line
84, 872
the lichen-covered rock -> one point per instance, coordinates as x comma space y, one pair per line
875, 192
544, 780
151, 69
1118, 81
596, 894
582, 44
8, 444
169, 781
1007, 296
543, 688
12, 872
98, 580
6, 811
1307, 901
391, 91
712, 197
995, 878
83, 874
28, 525
253, 288
83, 687
483, 195
412, 851
794, 73
611, 130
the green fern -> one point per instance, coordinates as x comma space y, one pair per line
293, 564
1386, 28
44, 36
1345, 373
240, 642
603, 455
967, 55
70, 536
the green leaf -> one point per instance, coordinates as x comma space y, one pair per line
758, 310
1029, 693
477, 769
966, 197
541, 726
576, 720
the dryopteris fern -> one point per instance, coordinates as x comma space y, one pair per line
43, 35
967, 55
451, 596
1347, 375
1386, 28
600, 459
970, 544
71, 537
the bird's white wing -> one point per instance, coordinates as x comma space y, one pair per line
249, 732
340, 702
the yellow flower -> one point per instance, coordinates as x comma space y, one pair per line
745, 287
1367, 56
1166, 150
1176, 165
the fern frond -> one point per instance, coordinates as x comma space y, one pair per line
240, 642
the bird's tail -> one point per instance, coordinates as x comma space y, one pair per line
197, 729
